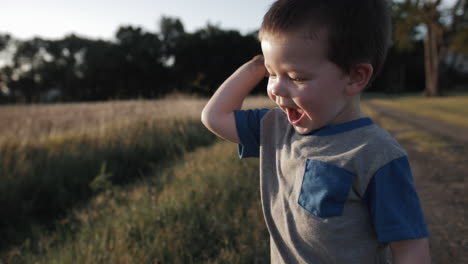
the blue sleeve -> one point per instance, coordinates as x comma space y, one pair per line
248, 129
393, 203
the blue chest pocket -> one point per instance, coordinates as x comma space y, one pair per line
324, 189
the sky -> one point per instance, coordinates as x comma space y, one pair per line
53, 19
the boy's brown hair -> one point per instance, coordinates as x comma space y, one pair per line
358, 30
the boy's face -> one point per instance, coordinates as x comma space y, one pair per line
308, 87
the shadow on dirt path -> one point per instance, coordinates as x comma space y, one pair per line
442, 184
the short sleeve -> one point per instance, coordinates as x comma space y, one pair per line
393, 203
248, 129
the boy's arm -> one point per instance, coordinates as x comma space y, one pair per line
218, 114
411, 251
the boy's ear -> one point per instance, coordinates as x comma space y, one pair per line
359, 77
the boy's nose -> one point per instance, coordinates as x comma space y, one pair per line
279, 89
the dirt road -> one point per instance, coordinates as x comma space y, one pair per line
442, 184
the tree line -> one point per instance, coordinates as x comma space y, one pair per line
137, 64
143, 64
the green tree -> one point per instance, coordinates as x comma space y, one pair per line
141, 64
25, 80
171, 32
205, 58
4, 77
4, 39
40, 65
459, 28
63, 69
136, 64
439, 27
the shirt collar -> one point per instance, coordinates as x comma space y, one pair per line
341, 128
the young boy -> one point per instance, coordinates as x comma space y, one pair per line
335, 188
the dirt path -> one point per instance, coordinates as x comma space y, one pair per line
442, 185
434, 126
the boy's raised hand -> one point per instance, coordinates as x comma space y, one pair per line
218, 114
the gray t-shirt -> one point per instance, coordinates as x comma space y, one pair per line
336, 195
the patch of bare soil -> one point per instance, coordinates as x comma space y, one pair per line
442, 185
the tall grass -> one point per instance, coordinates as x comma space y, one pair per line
205, 209
42, 180
25, 123
68, 190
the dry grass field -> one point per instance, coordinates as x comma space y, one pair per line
32, 122
87, 181
144, 182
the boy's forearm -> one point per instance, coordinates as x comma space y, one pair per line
218, 114
411, 251
234, 89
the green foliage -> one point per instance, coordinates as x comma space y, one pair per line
171, 30
459, 42
103, 180
211, 54
406, 17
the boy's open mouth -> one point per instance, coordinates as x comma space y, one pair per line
295, 115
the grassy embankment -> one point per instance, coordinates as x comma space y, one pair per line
117, 184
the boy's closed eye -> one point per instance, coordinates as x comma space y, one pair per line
291, 78
296, 79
